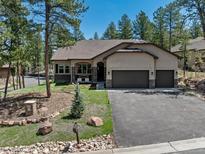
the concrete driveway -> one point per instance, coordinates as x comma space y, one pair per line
150, 118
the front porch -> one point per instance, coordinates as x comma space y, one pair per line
81, 72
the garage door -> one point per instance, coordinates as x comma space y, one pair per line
164, 79
130, 79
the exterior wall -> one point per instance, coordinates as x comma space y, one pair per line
166, 61
130, 61
62, 77
3, 72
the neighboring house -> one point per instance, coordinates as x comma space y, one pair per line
4, 71
195, 48
119, 63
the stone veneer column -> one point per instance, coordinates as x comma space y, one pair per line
108, 83
73, 75
175, 83
94, 74
151, 83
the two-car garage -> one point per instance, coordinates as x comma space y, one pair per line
140, 79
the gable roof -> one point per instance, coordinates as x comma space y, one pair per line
89, 49
194, 44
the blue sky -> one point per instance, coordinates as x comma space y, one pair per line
102, 12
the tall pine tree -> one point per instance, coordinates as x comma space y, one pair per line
142, 27
111, 32
125, 28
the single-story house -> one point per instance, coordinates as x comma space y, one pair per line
4, 71
195, 49
118, 63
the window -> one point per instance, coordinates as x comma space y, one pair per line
67, 69
84, 69
61, 69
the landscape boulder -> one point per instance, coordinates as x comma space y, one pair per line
45, 128
95, 121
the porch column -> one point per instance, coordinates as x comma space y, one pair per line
73, 74
94, 74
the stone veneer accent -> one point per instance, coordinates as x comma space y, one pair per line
175, 83
94, 74
151, 83
108, 83
73, 74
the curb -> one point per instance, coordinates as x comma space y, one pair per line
161, 148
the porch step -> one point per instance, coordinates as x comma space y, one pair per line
100, 85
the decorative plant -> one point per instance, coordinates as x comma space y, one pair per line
77, 106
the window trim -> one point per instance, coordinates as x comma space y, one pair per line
64, 69
80, 67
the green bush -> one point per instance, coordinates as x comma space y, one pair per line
77, 106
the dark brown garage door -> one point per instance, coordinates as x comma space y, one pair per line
130, 79
164, 79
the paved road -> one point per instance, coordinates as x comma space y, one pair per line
141, 119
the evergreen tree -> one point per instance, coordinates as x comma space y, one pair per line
195, 8
110, 32
78, 35
63, 14
173, 22
160, 32
195, 29
142, 27
125, 28
96, 37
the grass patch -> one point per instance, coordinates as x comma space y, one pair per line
96, 104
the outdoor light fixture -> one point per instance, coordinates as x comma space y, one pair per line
152, 73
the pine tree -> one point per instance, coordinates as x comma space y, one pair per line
173, 23
160, 32
77, 106
78, 35
195, 29
142, 27
96, 37
125, 28
110, 32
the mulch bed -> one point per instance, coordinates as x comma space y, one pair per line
13, 107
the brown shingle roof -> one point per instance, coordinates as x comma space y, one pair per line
195, 44
88, 49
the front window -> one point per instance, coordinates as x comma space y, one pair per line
61, 69
84, 68
67, 69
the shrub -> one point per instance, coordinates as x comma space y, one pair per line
77, 106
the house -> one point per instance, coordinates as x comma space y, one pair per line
118, 63
195, 48
4, 71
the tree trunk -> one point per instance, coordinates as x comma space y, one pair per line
19, 76
38, 76
22, 76
7, 82
13, 80
47, 48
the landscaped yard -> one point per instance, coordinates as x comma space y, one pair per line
96, 104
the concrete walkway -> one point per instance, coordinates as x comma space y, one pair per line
176, 147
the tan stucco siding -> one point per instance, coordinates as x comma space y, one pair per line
165, 61
129, 61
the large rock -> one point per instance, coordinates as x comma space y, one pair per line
201, 85
95, 121
45, 128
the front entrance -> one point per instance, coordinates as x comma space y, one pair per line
100, 72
